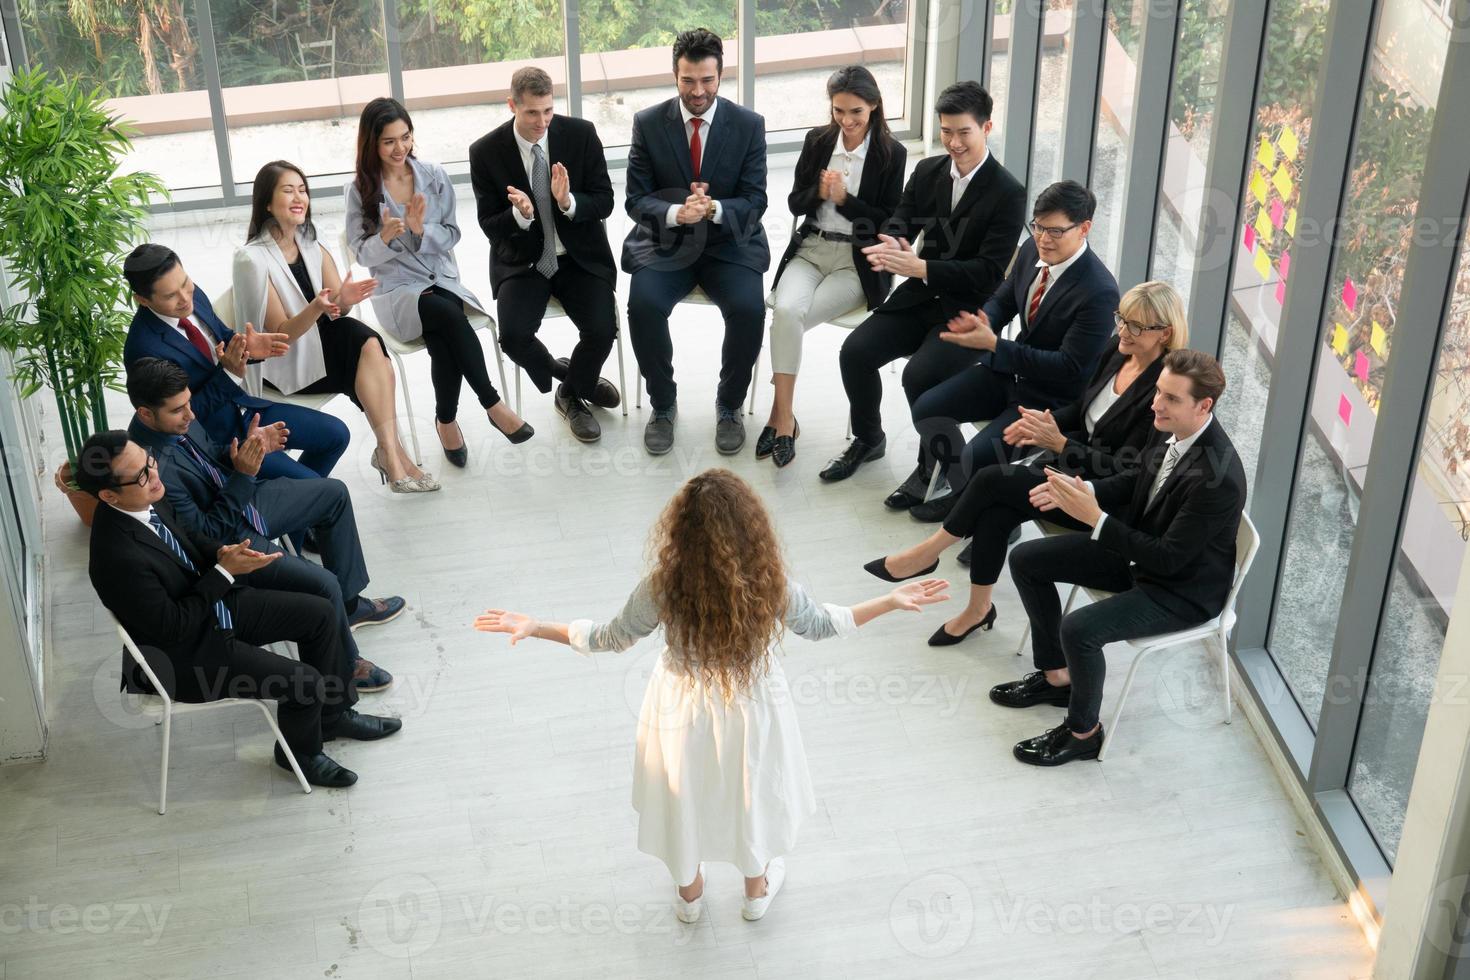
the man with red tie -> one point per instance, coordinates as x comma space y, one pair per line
176, 321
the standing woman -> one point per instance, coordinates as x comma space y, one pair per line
402, 226
848, 181
285, 282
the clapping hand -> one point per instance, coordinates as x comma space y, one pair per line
263, 345
895, 255
1035, 428
413, 214
561, 186
393, 226
1072, 495
518, 625
246, 457
970, 330
353, 292
696, 206
232, 355
272, 436
833, 187
324, 304
913, 596
239, 559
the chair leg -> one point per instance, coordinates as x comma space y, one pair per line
168, 722
270, 719
622, 376
499, 357
1112, 730
639, 403
1225, 674
755, 377
413, 429
933, 480
518, 389
1025, 635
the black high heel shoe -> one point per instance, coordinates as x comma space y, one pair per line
879, 568
942, 638
458, 457
518, 436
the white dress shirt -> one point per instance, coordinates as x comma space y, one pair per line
146, 518
1182, 446
528, 161
671, 217
173, 322
1051, 280
849, 163
958, 184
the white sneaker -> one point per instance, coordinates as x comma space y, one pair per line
754, 908
688, 912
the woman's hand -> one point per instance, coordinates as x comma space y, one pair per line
913, 596
518, 625
392, 226
836, 188
413, 215
324, 304
1035, 428
353, 292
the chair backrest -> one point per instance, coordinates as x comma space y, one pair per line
140, 660
1247, 543
224, 307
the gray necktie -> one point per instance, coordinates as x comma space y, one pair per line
1171, 459
541, 195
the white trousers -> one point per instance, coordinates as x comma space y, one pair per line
819, 283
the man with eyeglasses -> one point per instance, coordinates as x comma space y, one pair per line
1065, 298
184, 599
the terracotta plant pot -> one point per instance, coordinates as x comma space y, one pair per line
82, 502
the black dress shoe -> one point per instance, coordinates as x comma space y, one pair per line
1058, 747
878, 567
856, 454
1031, 690
944, 638
519, 435
765, 442
901, 499
933, 511
363, 728
579, 417
319, 769
784, 449
604, 393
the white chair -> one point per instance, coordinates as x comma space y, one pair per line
163, 708
1247, 542
555, 309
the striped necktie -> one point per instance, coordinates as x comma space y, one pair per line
1171, 459
1035, 303
252, 513
221, 611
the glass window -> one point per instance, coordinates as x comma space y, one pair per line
1421, 596
1051, 95
1191, 114
627, 60
799, 44
457, 66
1000, 79
295, 75
1114, 119
146, 59
1356, 345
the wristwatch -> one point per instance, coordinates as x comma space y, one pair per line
711, 211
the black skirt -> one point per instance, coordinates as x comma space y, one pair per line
342, 343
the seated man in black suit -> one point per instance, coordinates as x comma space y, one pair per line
185, 600
541, 193
1066, 299
696, 193
1163, 540
222, 496
971, 211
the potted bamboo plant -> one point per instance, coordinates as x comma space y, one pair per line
66, 219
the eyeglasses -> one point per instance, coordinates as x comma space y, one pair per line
1134, 328
1041, 231
141, 480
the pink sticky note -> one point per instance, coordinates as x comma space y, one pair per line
1344, 410
1249, 238
1350, 295
1280, 292
1285, 264
1278, 213
1360, 366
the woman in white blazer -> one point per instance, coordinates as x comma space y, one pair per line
401, 224
285, 282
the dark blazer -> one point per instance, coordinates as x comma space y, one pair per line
1116, 444
1183, 543
733, 163
214, 396
966, 247
1055, 355
868, 210
216, 512
495, 164
166, 609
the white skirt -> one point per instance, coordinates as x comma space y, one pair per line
716, 780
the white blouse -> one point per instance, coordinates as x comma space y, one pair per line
1098, 407
849, 163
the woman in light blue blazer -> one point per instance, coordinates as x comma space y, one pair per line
401, 225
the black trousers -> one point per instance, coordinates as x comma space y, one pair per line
295, 506
995, 502
975, 394
1077, 641
590, 303
455, 353
735, 289
290, 573
309, 692
911, 332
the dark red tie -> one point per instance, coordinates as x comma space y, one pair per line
1040, 292
694, 147
196, 338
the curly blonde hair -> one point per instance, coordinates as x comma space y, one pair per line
718, 580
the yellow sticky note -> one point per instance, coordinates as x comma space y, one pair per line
1263, 228
1379, 339
1266, 153
1263, 262
1281, 180
1291, 222
1287, 142
1258, 188
1339, 340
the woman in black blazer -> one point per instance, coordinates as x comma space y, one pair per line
847, 183
1101, 434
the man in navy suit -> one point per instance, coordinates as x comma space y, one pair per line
176, 321
1065, 298
696, 193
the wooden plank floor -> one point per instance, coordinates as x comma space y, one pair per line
494, 836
